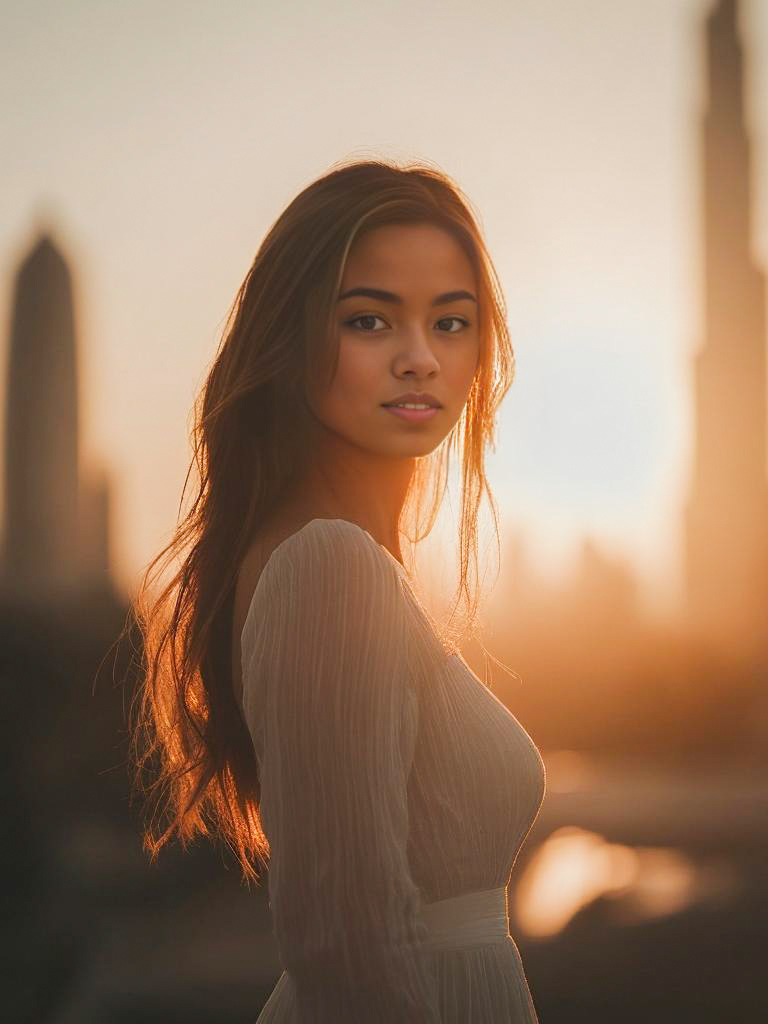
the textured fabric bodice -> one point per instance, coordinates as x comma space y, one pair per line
392, 781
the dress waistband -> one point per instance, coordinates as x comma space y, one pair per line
472, 919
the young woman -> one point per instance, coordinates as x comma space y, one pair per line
299, 699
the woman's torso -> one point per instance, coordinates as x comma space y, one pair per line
470, 743
475, 787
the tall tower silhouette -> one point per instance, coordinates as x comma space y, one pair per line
56, 538
726, 519
41, 429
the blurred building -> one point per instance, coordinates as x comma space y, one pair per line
726, 518
56, 524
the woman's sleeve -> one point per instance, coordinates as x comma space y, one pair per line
331, 659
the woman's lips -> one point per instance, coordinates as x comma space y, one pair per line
414, 415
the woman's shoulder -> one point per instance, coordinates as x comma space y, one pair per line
318, 548
319, 537
329, 550
318, 564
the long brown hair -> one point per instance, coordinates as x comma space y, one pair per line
250, 425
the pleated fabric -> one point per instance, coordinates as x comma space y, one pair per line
392, 779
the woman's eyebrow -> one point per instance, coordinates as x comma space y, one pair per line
383, 296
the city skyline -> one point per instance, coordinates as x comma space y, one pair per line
567, 516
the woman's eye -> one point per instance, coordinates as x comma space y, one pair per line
372, 316
365, 316
459, 319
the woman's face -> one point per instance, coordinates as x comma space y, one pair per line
419, 334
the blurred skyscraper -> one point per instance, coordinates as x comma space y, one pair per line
56, 523
726, 518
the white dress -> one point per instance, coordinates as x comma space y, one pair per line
396, 794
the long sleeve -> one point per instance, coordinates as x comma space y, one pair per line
326, 687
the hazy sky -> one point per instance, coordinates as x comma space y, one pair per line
160, 141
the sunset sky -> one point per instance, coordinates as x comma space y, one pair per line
159, 142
